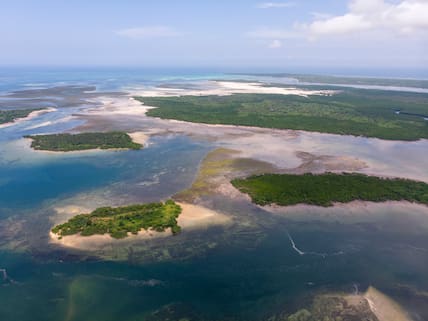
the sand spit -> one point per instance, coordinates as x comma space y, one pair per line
31, 115
139, 137
121, 106
197, 217
192, 217
226, 88
384, 307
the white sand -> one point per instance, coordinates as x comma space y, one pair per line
384, 307
224, 88
196, 217
139, 137
192, 217
121, 106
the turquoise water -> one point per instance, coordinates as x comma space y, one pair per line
245, 272
25, 186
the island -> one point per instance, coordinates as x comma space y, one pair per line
346, 80
357, 112
119, 221
84, 141
10, 116
329, 188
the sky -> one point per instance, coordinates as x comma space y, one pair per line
218, 33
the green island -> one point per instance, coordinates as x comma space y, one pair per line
84, 141
369, 113
9, 116
326, 189
348, 80
119, 221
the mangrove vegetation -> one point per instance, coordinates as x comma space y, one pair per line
9, 116
326, 189
119, 221
369, 113
84, 141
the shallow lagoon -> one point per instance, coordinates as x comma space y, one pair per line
248, 271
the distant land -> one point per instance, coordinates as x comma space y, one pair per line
358, 112
329, 188
348, 80
84, 141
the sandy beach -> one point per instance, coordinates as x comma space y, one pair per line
31, 115
384, 307
191, 217
226, 88
139, 137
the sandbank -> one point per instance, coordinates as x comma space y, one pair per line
139, 137
226, 88
192, 217
384, 307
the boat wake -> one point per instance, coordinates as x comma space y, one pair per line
300, 252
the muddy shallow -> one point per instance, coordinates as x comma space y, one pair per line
266, 262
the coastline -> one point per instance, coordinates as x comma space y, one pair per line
384, 307
137, 137
192, 217
351, 212
33, 114
227, 88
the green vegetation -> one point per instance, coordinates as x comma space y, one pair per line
8, 116
120, 221
84, 141
369, 113
341, 80
325, 189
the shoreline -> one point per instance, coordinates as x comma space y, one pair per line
192, 217
138, 137
352, 204
33, 114
349, 213
384, 307
227, 88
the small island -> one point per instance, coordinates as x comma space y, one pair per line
84, 141
10, 116
329, 188
119, 221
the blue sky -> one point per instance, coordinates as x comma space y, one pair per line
259, 34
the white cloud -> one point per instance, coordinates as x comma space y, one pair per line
404, 17
148, 32
269, 5
275, 44
340, 25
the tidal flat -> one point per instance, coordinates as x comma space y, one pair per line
264, 264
